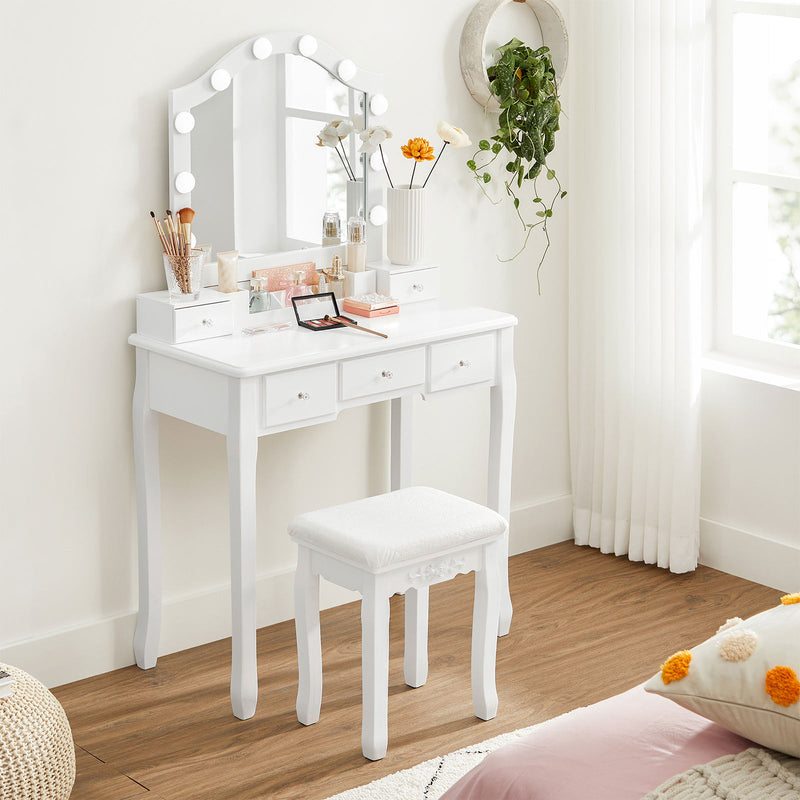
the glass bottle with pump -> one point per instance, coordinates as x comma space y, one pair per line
335, 277
331, 228
356, 244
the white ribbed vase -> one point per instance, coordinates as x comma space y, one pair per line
404, 226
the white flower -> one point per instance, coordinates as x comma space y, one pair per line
373, 138
334, 132
455, 137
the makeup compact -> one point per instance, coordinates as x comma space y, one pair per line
320, 312
311, 311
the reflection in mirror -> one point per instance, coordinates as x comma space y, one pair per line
314, 307
262, 183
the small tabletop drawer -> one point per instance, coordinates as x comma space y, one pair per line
203, 322
462, 362
409, 286
384, 373
299, 394
212, 314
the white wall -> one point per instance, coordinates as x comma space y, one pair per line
84, 159
750, 503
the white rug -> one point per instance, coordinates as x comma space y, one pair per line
431, 779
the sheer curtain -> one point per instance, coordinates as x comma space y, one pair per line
636, 112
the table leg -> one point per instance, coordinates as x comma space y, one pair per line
242, 455
415, 660
501, 441
148, 512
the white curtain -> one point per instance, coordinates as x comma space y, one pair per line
636, 110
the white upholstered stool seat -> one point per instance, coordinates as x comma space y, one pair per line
401, 542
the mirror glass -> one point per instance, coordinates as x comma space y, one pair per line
262, 182
315, 307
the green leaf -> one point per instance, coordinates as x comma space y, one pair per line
538, 200
563, 195
497, 147
483, 144
471, 164
511, 166
486, 177
549, 212
540, 213
550, 174
516, 202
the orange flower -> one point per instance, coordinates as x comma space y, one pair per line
418, 149
676, 666
782, 686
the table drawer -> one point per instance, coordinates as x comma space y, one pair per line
384, 373
408, 287
203, 322
300, 394
462, 362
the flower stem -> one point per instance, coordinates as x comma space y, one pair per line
346, 162
347, 171
434, 164
386, 169
411, 183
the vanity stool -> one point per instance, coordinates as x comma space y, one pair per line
400, 542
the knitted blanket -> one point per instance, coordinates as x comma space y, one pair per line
753, 774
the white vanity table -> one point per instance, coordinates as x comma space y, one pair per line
245, 387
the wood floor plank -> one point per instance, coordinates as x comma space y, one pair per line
586, 626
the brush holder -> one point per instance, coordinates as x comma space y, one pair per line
184, 275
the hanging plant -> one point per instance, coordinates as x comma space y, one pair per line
524, 83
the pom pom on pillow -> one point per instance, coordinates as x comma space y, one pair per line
745, 677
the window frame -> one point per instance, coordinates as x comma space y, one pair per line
726, 177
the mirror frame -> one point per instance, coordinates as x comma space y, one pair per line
183, 99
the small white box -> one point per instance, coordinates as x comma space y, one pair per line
358, 283
210, 315
408, 284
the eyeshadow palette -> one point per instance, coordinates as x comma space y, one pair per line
311, 310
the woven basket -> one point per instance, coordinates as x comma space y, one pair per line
37, 755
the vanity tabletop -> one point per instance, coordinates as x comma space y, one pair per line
241, 355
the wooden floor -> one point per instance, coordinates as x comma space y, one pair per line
586, 626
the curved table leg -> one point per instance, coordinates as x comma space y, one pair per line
148, 511
501, 442
242, 455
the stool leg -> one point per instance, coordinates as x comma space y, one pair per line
484, 634
309, 647
374, 673
415, 659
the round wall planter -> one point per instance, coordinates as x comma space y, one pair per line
473, 40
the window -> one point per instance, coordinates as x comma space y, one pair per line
757, 146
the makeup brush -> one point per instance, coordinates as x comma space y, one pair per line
349, 324
186, 216
159, 232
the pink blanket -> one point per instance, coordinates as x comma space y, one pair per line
618, 749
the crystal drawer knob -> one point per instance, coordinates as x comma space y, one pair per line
208, 323
463, 363
387, 373
418, 287
302, 395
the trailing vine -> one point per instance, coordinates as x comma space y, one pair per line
524, 82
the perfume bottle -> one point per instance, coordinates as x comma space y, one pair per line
259, 295
322, 286
298, 288
336, 278
356, 244
331, 228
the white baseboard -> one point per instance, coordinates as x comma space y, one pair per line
107, 644
750, 556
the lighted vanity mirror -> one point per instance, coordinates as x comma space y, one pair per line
246, 133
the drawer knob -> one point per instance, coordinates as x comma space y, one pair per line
387, 373
418, 287
302, 395
463, 363
208, 322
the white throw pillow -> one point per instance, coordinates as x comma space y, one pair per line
746, 677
